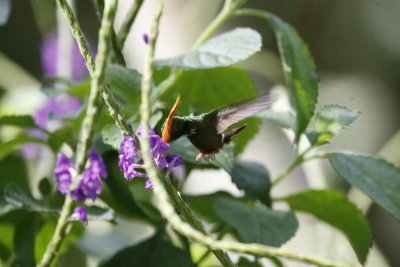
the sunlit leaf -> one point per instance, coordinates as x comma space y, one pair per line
299, 70
223, 50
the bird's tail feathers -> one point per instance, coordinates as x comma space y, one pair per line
229, 135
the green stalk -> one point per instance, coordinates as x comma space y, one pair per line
145, 146
86, 132
83, 45
127, 24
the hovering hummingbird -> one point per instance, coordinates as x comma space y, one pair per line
208, 131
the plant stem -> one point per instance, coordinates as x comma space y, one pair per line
226, 12
129, 19
86, 131
83, 45
145, 146
299, 159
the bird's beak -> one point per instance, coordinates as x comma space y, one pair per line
166, 132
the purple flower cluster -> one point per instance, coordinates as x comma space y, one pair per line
130, 160
90, 185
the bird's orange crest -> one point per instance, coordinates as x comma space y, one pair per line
166, 133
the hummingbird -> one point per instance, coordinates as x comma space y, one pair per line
208, 131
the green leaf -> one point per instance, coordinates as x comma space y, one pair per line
100, 214
23, 121
205, 90
331, 120
223, 50
376, 177
244, 262
24, 240
45, 187
124, 82
57, 138
9, 146
283, 119
5, 10
335, 209
253, 178
6, 240
298, 68
112, 135
153, 252
257, 224
45, 233
20, 199
13, 168
201, 204
144, 199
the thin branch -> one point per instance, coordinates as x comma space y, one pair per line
127, 24
86, 132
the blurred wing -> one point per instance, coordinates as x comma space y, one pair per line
238, 112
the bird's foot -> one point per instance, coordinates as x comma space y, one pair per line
207, 157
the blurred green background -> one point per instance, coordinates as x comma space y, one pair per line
355, 44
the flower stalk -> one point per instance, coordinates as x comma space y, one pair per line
87, 126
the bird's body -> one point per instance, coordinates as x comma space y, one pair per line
208, 131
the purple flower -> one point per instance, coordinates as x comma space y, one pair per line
62, 172
96, 164
173, 161
149, 184
79, 214
128, 147
61, 105
146, 38
128, 166
89, 186
50, 52
130, 160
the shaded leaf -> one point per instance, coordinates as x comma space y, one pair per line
14, 171
23, 121
153, 252
223, 50
376, 177
298, 68
253, 178
144, 199
124, 82
100, 214
24, 240
21, 199
201, 204
257, 224
112, 135
45, 233
335, 209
